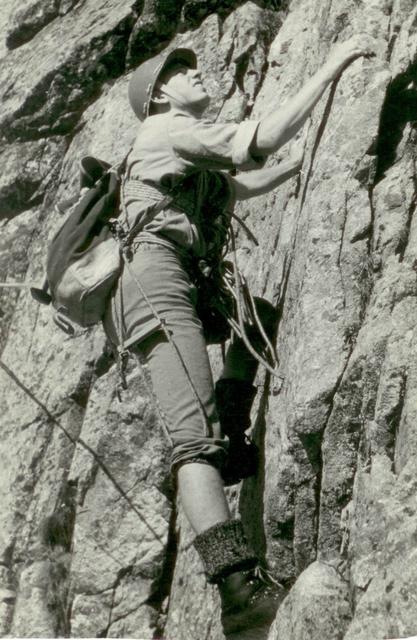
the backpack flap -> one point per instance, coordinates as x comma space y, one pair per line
91, 170
41, 294
86, 284
84, 260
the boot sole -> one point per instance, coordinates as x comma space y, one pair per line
249, 618
255, 633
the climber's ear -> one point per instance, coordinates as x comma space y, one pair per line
158, 95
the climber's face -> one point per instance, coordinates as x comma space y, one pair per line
181, 88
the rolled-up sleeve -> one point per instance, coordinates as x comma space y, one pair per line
214, 146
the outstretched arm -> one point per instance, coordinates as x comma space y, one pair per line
255, 183
281, 125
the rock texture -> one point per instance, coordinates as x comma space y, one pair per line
91, 543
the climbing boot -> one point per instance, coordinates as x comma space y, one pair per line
223, 550
249, 597
234, 400
250, 600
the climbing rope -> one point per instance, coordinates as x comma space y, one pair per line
240, 326
83, 444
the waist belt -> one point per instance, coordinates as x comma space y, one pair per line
136, 189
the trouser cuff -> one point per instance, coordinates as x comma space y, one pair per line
224, 549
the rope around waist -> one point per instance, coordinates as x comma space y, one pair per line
136, 189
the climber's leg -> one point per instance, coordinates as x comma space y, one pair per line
183, 387
176, 359
235, 394
248, 596
202, 496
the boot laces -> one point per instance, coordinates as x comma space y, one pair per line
260, 574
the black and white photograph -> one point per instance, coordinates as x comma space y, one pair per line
208, 319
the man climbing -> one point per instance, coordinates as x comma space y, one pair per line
179, 154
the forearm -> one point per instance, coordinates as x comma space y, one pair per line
255, 183
281, 125
278, 127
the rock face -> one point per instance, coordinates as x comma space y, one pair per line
91, 544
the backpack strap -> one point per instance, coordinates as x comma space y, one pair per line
91, 170
40, 294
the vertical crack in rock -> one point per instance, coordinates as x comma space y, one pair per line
320, 131
289, 257
353, 406
399, 108
244, 69
331, 402
260, 80
393, 39
57, 528
283, 290
319, 134
252, 493
393, 419
341, 243
312, 447
122, 573
161, 589
403, 244
342, 236
88, 482
9, 586
242, 63
370, 241
56, 533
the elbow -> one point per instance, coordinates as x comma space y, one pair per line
242, 192
265, 143
270, 137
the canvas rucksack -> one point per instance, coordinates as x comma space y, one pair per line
84, 259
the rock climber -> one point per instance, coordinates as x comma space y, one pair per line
178, 152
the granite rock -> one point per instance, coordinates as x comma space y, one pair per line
318, 606
91, 542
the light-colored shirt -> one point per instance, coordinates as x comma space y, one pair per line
175, 148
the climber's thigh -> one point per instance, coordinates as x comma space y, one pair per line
180, 368
182, 383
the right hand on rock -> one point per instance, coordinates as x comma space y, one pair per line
345, 52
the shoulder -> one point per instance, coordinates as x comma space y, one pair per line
182, 121
153, 125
